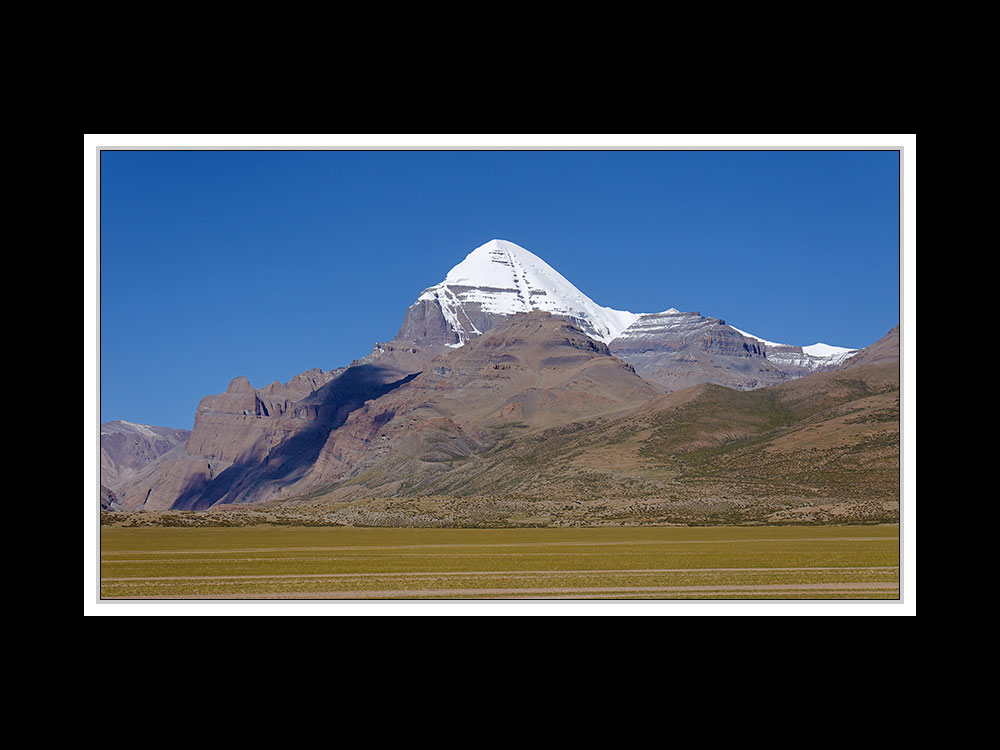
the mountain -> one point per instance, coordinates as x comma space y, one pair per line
127, 448
491, 371
672, 348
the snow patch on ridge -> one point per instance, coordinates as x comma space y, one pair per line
757, 338
813, 356
123, 425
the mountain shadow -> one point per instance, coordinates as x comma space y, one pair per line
268, 468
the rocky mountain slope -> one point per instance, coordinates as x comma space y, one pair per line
820, 449
823, 448
533, 373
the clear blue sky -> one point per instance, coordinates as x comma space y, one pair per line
216, 264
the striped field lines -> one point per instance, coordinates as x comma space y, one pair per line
364, 564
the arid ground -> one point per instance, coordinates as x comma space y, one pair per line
288, 562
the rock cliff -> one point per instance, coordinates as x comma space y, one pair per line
227, 427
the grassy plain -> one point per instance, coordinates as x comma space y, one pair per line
279, 562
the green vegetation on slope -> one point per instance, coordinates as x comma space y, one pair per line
754, 456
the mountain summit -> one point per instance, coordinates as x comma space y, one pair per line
500, 279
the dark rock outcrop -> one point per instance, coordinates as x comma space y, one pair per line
424, 324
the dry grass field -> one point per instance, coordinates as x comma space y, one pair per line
286, 562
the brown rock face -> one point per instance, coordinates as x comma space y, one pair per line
229, 424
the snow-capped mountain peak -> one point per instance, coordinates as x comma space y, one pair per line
502, 278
